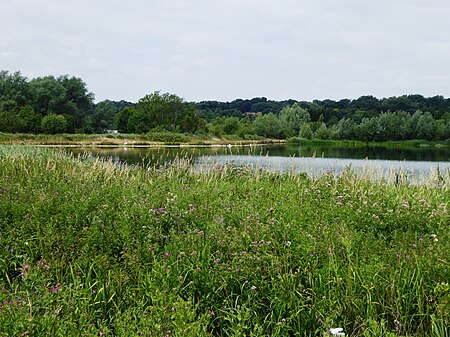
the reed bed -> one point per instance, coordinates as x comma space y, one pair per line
91, 248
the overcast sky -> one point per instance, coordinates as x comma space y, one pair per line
223, 50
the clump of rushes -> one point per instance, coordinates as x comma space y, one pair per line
88, 247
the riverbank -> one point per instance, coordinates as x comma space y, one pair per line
228, 252
169, 138
357, 143
150, 139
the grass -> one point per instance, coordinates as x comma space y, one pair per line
89, 248
151, 138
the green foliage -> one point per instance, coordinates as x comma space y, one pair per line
230, 252
23, 102
267, 126
322, 132
305, 131
53, 124
167, 111
292, 118
230, 125
103, 119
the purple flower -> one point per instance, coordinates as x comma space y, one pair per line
212, 313
151, 249
414, 246
173, 309
55, 289
166, 255
160, 211
25, 267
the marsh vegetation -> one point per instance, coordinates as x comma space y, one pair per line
91, 248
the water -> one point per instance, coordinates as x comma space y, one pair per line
413, 162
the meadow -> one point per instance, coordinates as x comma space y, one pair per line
91, 248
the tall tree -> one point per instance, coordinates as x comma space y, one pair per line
291, 119
64, 95
167, 111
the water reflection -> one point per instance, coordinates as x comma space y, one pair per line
413, 161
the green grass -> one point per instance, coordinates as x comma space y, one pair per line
90, 248
150, 138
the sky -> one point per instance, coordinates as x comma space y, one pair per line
224, 50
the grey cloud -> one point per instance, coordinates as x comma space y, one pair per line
223, 50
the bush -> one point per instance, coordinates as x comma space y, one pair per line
53, 124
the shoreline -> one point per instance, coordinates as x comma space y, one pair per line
183, 140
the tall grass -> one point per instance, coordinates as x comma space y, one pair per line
90, 248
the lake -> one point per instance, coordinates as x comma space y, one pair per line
413, 162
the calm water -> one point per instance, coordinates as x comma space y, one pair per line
311, 159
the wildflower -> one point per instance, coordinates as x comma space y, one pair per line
101, 333
151, 249
166, 255
25, 267
414, 246
212, 313
337, 331
55, 289
160, 211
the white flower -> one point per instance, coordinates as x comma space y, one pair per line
337, 331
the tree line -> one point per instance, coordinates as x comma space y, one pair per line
64, 105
